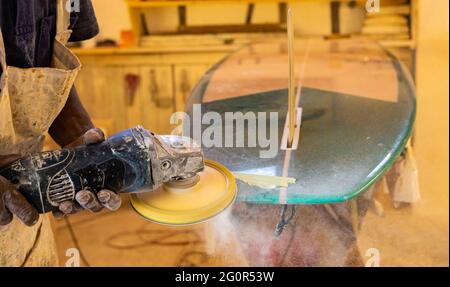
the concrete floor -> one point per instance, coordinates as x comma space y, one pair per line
408, 236
124, 238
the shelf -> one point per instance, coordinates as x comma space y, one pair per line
149, 4
397, 43
149, 50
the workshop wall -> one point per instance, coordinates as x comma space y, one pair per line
112, 16
311, 18
432, 137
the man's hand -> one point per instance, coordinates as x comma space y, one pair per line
13, 202
86, 199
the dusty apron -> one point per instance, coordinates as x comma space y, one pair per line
30, 100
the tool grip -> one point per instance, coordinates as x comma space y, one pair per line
122, 164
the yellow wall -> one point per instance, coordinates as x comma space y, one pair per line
112, 16
431, 139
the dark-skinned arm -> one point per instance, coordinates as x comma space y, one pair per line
72, 122
72, 127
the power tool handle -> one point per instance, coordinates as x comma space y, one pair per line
46, 179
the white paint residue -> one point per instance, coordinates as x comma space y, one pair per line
264, 181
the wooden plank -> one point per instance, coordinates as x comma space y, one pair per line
133, 99
227, 29
186, 78
157, 102
292, 108
147, 4
111, 51
101, 92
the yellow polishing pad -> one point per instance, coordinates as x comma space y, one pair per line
189, 201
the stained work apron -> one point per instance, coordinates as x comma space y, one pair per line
30, 100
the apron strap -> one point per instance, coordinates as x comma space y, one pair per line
63, 19
2, 53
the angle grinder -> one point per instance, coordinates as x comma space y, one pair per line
167, 176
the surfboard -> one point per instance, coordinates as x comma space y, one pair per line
358, 109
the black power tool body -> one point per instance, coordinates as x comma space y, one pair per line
130, 161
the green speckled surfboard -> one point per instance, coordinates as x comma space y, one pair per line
358, 112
